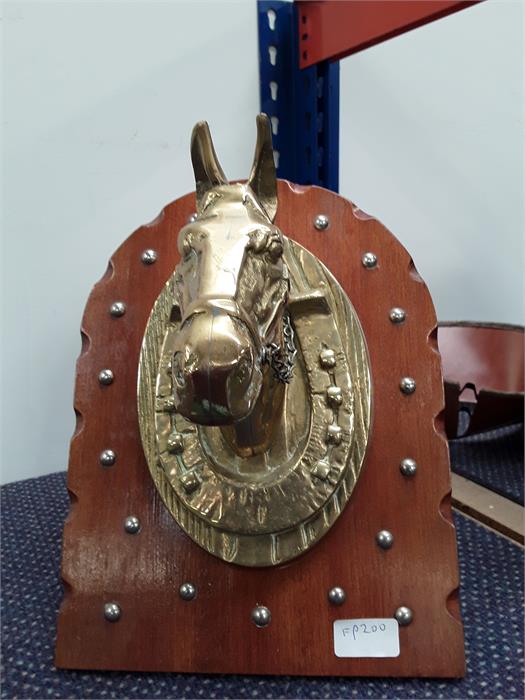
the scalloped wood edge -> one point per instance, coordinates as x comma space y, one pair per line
214, 634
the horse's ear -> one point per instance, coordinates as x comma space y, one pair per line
262, 178
206, 166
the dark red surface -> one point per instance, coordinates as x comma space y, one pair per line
483, 365
486, 356
333, 29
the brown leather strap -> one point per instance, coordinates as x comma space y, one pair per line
483, 367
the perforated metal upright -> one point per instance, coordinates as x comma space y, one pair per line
300, 45
303, 104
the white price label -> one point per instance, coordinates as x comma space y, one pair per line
377, 637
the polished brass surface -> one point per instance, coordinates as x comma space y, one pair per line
231, 286
254, 387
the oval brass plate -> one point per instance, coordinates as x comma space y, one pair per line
268, 508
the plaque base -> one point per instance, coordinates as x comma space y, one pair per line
142, 572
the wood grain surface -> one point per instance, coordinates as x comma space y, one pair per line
213, 633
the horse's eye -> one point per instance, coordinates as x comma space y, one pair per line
184, 243
275, 249
186, 246
258, 240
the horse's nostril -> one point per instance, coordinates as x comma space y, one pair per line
243, 371
178, 373
215, 377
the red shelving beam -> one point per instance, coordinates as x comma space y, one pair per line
333, 29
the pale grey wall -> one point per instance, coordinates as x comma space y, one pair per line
432, 144
100, 98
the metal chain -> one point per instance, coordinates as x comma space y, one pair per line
282, 358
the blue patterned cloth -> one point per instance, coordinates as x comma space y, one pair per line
473, 458
33, 513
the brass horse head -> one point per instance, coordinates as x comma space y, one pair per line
232, 287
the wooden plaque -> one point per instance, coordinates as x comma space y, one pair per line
157, 630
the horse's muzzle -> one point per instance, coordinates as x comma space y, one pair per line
216, 371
